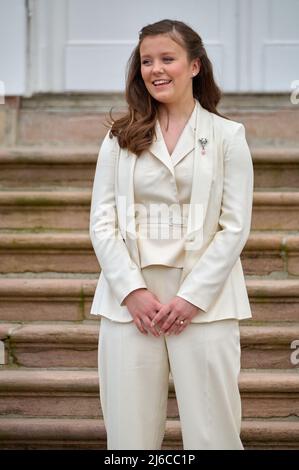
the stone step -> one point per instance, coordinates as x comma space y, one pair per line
51, 345
40, 167
36, 167
276, 167
45, 209
271, 252
275, 211
67, 252
77, 119
68, 345
66, 433
51, 299
71, 209
270, 347
75, 393
64, 252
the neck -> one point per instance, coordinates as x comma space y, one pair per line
176, 112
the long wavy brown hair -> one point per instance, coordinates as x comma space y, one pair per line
136, 129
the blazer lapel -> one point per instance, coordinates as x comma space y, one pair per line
186, 141
184, 146
203, 160
159, 150
201, 186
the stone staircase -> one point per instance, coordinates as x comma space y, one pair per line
49, 395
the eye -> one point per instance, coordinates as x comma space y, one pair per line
165, 59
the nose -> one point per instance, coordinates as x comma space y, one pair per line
157, 68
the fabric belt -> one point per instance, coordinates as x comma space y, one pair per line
171, 220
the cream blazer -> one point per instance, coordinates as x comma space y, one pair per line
218, 222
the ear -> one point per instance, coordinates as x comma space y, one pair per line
196, 66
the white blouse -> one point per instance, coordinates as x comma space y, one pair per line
162, 222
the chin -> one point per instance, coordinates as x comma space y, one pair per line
164, 98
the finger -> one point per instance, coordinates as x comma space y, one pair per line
159, 324
182, 327
159, 315
148, 324
156, 326
172, 330
168, 322
153, 326
140, 326
174, 327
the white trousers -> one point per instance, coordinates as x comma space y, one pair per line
204, 361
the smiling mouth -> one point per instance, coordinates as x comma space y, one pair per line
161, 83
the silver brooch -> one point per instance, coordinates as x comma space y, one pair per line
203, 141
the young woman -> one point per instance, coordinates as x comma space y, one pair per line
170, 215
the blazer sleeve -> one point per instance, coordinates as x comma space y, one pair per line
122, 274
203, 284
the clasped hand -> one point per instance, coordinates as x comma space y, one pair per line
150, 315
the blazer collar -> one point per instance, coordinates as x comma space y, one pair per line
184, 146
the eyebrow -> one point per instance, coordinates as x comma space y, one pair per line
162, 53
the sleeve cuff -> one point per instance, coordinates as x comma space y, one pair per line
141, 286
192, 301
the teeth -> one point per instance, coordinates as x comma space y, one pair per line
159, 82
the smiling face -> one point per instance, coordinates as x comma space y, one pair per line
164, 59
